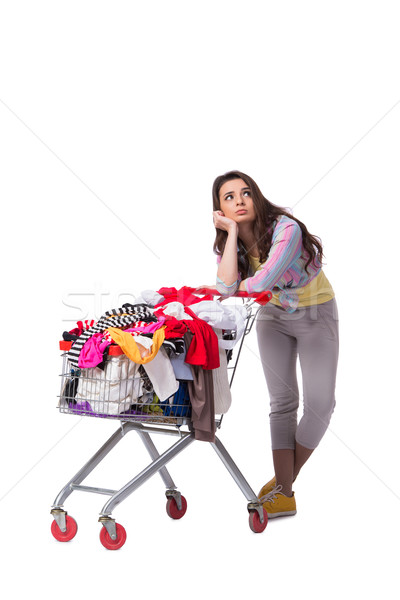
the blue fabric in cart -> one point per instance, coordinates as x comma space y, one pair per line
181, 402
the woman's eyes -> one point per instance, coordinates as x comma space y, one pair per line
230, 197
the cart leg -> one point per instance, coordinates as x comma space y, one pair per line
148, 472
164, 474
154, 454
253, 501
89, 466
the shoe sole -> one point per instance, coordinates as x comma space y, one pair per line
287, 513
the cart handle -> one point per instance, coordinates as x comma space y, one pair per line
261, 298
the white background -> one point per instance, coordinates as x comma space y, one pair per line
115, 119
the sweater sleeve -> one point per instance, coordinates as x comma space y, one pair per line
223, 289
285, 250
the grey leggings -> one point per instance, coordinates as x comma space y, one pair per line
312, 334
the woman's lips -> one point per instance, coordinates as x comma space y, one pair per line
241, 212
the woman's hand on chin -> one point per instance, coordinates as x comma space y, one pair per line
224, 223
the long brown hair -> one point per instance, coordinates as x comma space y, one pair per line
266, 215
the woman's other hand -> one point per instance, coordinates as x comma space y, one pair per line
206, 287
224, 223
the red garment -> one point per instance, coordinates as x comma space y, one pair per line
203, 350
82, 326
185, 296
173, 327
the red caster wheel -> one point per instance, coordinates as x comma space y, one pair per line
68, 534
173, 510
255, 523
108, 542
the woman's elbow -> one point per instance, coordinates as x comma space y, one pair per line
226, 290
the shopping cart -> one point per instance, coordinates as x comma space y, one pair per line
117, 392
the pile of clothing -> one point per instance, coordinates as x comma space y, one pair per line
173, 362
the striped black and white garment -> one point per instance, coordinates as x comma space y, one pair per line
117, 317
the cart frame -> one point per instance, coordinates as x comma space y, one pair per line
112, 534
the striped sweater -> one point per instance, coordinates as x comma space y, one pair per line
284, 268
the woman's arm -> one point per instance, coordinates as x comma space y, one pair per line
227, 274
285, 250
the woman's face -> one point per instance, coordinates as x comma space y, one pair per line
236, 201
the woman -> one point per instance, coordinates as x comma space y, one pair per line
260, 246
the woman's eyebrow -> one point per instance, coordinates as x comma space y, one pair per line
242, 190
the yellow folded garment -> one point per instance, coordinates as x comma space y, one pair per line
128, 345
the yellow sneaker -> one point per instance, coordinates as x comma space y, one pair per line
267, 488
277, 504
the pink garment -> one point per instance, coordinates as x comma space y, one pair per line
91, 354
148, 328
